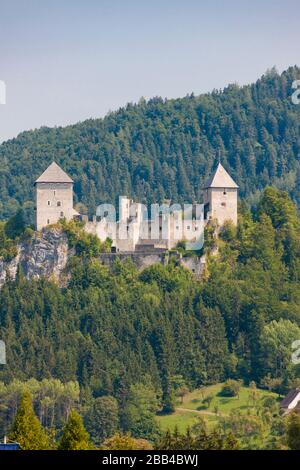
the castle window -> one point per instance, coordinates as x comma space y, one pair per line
224, 192
206, 211
188, 227
49, 203
48, 221
61, 214
223, 204
177, 227
54, 192
58, 203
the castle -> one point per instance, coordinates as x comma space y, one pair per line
54, 197
134, 231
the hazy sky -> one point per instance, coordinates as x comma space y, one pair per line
68, 60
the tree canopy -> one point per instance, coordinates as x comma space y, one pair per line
160, 148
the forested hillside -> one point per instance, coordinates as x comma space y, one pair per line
166, 148
113, 330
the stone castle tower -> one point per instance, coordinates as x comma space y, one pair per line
220, 197
54, 197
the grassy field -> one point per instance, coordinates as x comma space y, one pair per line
186, 413
181, 419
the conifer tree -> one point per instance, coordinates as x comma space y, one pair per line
27, 430
102, 418
75, 436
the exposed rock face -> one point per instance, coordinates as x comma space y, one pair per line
45, 255
196, 265
8, 269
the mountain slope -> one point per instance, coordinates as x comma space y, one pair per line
166, 148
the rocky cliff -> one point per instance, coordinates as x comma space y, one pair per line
46, 255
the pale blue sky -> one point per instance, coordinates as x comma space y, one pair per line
69, 60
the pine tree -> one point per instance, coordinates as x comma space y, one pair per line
102, 419
27, 430
75, 436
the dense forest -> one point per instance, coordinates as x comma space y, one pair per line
166, 148
134, 337
118, 345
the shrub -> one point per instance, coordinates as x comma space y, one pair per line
85, 244
231, 388
8, 248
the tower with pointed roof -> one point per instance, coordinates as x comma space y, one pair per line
54, 196
220, 197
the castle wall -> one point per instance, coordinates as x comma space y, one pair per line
144, 260
141, 260
53, 202
102, 228
191, 231
124, 208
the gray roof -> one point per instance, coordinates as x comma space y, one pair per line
220, 179
54, 174
289, 397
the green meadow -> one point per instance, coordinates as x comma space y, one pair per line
188, 410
